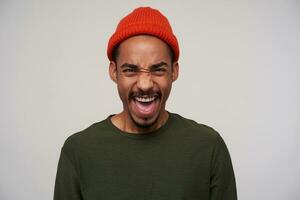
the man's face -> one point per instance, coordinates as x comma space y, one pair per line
144, 74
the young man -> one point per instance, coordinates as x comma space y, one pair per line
145, 152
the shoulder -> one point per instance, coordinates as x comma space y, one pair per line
196, 130
199, 136
84, 137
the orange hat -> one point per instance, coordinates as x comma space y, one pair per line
144, 21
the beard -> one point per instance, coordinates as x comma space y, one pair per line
144, 125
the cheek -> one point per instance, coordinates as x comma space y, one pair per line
168, 90
124, 88
165, 86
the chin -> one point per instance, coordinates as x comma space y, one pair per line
145, 123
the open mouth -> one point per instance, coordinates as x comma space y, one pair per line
146, 105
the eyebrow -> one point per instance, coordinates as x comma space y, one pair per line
129, 65
154, 66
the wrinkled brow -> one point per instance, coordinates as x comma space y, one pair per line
154, 66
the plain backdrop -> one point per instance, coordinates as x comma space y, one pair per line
239, 73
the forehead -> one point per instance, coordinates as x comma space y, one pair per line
143, 49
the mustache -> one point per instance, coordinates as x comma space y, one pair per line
144, 94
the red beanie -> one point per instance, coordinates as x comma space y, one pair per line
144, 21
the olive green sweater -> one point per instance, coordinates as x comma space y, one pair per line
181, 160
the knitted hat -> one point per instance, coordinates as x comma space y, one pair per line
144, 21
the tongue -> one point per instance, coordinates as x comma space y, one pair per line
145, 108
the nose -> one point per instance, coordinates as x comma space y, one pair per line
144, 81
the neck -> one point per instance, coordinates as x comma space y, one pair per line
123, 122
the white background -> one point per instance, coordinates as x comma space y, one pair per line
239, 74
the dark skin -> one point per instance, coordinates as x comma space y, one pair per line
143, 69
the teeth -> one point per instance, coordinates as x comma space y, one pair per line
144, 99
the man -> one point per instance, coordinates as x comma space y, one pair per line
145, 152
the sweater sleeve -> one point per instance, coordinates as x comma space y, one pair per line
67, 184
223, 186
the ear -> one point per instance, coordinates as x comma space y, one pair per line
175, 71
113, 71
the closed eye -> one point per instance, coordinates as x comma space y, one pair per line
129, 70
160, 69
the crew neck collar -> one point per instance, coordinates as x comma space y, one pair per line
140, 135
